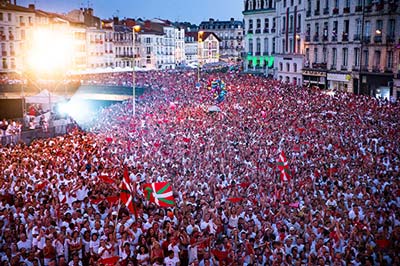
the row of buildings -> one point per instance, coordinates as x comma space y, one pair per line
351, 45
98, 43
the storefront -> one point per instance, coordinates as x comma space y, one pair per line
314, 78
339, 81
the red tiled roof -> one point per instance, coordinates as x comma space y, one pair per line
206, 34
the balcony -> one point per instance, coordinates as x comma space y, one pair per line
273, 30
390, 39
364, 68
250, 32
258, 53
5, 66
12, 53
308, 38
345, 37
290, 30
346, 10
334, 39
308, 13
11, 37
316, 38
335, 11
326, 11
343, 68
333, 67
321, 66
325, 38
283, 30
358, 8
266, 30
366, 39
3, 37
368, 8
378, 39
4, 53
258, 30
316, 12
376, 69
357, 37
298, 30
355, 68
388, 70
22, 24
265, 53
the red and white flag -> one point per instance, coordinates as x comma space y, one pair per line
127, 194
283, 167
159, 193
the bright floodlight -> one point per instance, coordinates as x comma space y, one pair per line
51, 50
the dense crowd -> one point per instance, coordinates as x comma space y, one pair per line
60, 196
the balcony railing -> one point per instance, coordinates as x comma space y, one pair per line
4, 53
250, 32
378, 39
316, 12
355, 68
322, 66
368, 8
273, 30
3, 37
334, 39
316, 38
346, 10
379, 7
357, 37
358, 8
376, 69
390, 39
366, 39
345, 37
22, 24
324, 38
307, 38
308, 13
393, 7
258, 30
335, 11
12, 53
11, 37
333, 67
326, 11
266, 30
343, 68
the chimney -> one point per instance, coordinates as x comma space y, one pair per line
115, 20
211, 20
31, 6
232, 19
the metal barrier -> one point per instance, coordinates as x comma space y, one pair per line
27, 136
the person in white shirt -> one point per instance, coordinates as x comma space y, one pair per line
171, 260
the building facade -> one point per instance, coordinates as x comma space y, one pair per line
289, 56
206, 44
231, 35
351, 45
260, 33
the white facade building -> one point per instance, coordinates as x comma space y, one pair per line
289, 56
260, 27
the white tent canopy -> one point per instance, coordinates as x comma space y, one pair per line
44, 97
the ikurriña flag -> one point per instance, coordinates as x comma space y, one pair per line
283, 167
160, 193
128, 193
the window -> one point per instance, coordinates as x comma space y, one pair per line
358, 26
258, 46
324, 55
9, 17
291, 23
265, 46
391, 27
1, 16
347, 3
308, 54
356, 57
287, 67
281, 66
346, 26
336, 4
283, 24
345, 56
367, 28
365, 58
291, 46
284, 46
250, 24
273, 45
266, 24
389, 63
377, 59
298, 22
294, 67
251, 46
258, 23
315, 55
379, 26
334, 57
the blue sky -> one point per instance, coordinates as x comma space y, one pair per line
193, 11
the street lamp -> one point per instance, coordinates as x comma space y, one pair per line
135, 29
199, 41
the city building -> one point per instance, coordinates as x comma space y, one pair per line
260, 33
207, 47
289, 54
231, 34
122, 43
15, 28
350, 45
